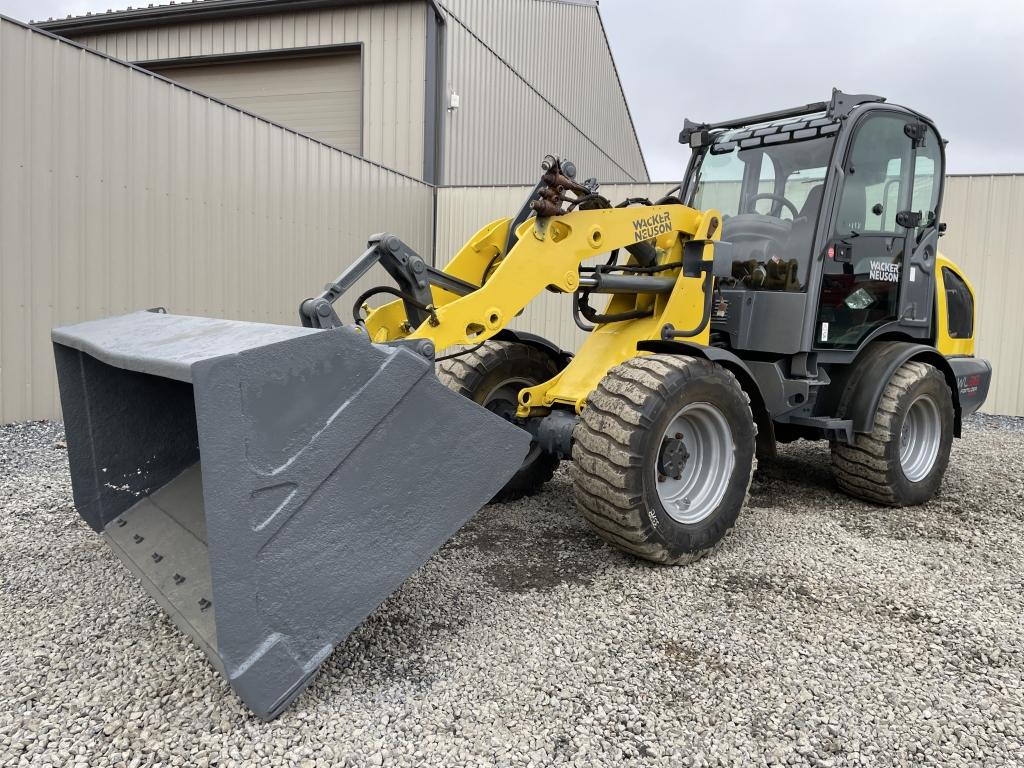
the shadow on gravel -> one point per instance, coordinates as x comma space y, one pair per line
536, 543
536, 549
550, 558
899, 525
690, 658
753, 584
802, 481
777, 481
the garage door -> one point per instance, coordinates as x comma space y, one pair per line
316, 95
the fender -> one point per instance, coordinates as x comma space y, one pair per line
739, 369
869, 373
561, 356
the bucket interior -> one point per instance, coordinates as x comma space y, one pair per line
137, 476
162, 538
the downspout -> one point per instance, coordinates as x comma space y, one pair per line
434, 124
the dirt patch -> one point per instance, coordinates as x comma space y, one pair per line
753, 584
524, 561
680, 654
900, 525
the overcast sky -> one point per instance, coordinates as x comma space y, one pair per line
960, 62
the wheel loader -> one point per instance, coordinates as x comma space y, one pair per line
271, 485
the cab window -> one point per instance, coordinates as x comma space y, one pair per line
770, 198
926, 186
874, 185
959, 306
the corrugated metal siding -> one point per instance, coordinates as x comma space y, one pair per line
320, 96
394, 61
119, 190
507, 122
561, 50
985, 231
985, 215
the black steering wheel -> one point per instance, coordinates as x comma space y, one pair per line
776, 198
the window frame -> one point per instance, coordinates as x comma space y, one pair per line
905, 178
950, 277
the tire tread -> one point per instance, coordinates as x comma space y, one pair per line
466, 373
864, 468
608, 442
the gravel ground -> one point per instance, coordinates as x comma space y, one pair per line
824, 631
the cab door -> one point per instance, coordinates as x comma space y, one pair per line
879, 262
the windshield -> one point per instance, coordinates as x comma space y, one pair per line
769, 197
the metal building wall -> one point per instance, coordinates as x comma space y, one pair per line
393, 38
984, 236
985, 230
320, 96
561, 49
534, 77
120, 191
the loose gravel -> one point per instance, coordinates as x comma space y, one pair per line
824, 631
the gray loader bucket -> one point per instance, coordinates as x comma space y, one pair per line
269, 485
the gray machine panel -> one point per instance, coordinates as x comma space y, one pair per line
763, 321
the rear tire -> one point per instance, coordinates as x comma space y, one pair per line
902, 460
492, 377
664, 455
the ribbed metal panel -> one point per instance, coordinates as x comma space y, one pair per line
984, 236
393, 36
320, 96
560, 48
534, 77
120, 191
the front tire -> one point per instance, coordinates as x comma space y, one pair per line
902, 460
664, 455
492, 376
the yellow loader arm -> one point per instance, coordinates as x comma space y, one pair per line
548, 256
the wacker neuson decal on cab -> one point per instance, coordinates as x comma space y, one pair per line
885, 272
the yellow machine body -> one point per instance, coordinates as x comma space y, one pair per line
547, 256
946, 344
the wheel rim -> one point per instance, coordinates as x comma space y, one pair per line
695, 463
504, 397
503, 400
920, 437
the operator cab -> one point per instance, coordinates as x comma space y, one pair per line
820, 204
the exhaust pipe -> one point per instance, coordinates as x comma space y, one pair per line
269, 485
